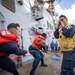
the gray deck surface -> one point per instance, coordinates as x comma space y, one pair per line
54, 67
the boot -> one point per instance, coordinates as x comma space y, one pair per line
32, 72
43, 64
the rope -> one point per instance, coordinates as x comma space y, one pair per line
33, 51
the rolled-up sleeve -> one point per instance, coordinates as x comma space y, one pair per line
68, 32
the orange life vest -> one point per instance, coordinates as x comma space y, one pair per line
36, 41
6, 37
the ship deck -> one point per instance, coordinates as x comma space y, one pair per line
54, 66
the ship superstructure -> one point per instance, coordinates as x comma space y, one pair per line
33, 22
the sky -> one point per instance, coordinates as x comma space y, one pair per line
67, 8
66, 3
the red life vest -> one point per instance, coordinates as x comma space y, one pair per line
6, 37
36, 41
4, 54
19, 58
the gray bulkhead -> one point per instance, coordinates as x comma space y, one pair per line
26, 21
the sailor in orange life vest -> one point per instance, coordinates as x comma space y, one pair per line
9, 45
37, 45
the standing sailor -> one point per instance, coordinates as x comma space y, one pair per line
66, 34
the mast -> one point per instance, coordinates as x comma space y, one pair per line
51, 10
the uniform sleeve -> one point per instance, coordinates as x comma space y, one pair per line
68, 32
12, 48
56, 33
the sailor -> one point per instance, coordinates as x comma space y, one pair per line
66, 34
9, 45
37, 45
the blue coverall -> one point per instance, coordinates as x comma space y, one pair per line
5, 62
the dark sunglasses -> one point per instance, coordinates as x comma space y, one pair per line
61, 19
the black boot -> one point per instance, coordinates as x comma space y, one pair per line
32, 72
43, 64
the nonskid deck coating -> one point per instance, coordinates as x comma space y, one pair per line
54, 67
